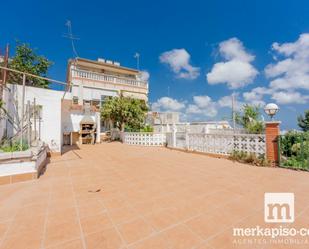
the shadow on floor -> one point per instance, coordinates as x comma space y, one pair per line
68, 148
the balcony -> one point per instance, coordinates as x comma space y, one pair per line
109, 79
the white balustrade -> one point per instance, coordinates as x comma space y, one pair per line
223, 144
108, 78
144, 138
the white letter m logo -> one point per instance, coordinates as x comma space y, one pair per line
279, 207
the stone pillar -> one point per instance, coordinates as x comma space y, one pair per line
272, 132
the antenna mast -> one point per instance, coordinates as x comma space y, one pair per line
137, 56
70, 36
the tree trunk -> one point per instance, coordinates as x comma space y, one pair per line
122, 127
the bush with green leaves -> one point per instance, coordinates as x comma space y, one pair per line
27, 60
127, 114
294, 150
14, 146
250, 119
147, 128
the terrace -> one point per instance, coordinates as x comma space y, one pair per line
108, 78
119, 196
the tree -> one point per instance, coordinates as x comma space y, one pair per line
27, 60
125, 112
250, 120
303, 122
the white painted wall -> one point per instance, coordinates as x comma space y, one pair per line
71, 119
202, 127
90, 93
57, 114
50, 100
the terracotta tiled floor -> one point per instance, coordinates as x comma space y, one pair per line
113, 196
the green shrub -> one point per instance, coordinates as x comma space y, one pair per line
250, 158
147, 128
15, 146
294, 150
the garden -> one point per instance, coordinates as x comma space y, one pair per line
294, 150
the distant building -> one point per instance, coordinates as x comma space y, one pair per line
164, 121
72, 116
92, 81
162, 118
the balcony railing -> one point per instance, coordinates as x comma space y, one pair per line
108, 78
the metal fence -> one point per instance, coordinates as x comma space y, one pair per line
293, 149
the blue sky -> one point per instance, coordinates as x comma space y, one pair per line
240, 45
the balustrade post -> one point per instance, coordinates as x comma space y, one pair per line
187, 136
174, 131
98, 128
167, 128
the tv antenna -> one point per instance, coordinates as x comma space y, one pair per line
70, 36
137, 56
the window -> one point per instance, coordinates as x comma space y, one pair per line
95, 103
103, 98
75, 100
86, 102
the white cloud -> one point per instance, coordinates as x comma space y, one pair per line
167, 104
179, 62
202, 106
144, 75
226, 101
292, 72
202, 101
289, 98
236, 71
256, 95
234, 49
198, 108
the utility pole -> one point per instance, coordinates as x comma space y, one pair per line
34, 118
233, 112
4, 75
28, 124
22, 111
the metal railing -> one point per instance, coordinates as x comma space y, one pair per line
108, 78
